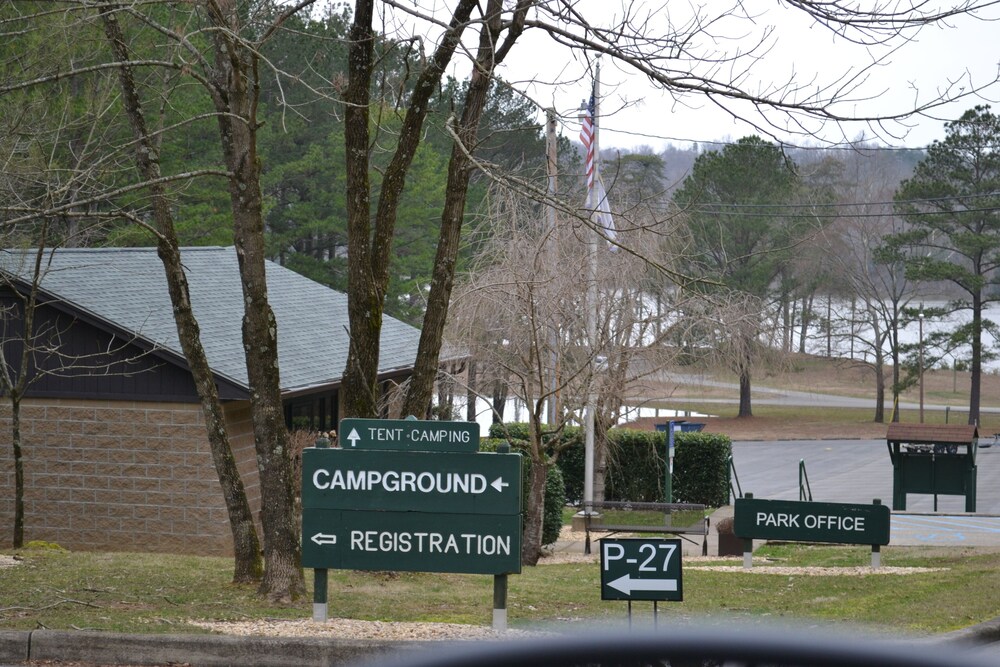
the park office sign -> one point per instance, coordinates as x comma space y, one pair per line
797, 521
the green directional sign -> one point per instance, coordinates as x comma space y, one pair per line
411, 541
456, 483
409, 435
641, 569
798, 521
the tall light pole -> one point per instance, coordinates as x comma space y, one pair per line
920, 360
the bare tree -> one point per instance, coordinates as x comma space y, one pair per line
36, 344
524, 311
227, 66
683, 59
875, 277
246, 544
17, 326
740, 332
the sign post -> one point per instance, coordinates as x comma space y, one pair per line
413, 496
798, 521
320, 585
641, 569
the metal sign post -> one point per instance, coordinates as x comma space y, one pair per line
320, 585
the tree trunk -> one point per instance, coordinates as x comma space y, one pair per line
600, 458
247, 565
364, 301
421, 384
879, 386
976, 366
283, 580
499, 401
805, 318
237, 87
829, 326
788, 322
370, 254
16, 388
895, 372
15, 422
531, 545
745, 409
470, 394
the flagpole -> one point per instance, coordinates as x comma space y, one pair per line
551, 169
591, 317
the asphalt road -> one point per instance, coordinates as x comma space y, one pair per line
859, 471
782, 396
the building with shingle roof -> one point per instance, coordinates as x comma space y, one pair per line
115, 451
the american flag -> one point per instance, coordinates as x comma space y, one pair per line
587, 137
597, 197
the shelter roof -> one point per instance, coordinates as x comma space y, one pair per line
932, 433
125, 288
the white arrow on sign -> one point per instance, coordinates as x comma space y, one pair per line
353, 437
323, 538
627, 584
499, 484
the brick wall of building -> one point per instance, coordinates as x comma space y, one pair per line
241, 441
121, 476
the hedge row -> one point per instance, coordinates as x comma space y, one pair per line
635, 464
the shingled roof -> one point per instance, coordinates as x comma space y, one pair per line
126, 289
931, 433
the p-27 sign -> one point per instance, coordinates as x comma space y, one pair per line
641, 569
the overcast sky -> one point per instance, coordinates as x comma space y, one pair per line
635, 113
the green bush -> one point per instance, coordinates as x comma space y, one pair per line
701, 468
635, 465
635, 469
512, 430
571, 453
570, 462
517, 446
555, 500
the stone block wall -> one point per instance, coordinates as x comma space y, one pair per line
120, 476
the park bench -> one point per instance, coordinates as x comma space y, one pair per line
680, 519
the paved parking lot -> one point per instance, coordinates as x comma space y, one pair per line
858, 471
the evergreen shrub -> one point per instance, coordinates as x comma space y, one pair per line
635, 467
701, 468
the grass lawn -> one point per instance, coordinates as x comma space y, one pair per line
159, 593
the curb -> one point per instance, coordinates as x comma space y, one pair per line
14, 645
109, 648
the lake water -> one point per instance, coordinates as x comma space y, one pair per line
816, 343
